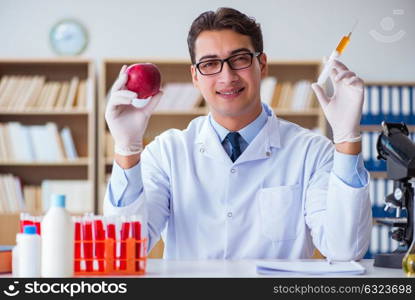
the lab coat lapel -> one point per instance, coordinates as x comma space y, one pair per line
208, 143
267, 138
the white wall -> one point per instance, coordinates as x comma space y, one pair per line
293, 29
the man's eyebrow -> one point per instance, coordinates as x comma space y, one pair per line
231, 53
240, 50
208, 56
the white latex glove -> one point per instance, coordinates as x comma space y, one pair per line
344, 109
126, 122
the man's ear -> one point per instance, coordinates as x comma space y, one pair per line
263, 65
193, 71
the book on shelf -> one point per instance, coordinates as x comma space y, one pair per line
33, 199
267, 89
20, 142
3, 142
71, 98
302, 95
388, 102
68, 143
109, 146
293, 95
81, 95
179, 97
78, 194
36, 143
285, 96
25, 93
63, 94
11, 194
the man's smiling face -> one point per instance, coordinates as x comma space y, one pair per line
230, 93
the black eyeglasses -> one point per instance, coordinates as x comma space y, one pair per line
235, 62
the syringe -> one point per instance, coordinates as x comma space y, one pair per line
334, 55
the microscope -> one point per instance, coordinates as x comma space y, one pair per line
394, 146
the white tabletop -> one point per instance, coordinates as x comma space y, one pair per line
234, 268
239, 268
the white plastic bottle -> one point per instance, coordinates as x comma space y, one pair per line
28, 252
57, 240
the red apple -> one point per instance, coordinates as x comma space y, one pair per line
143, 79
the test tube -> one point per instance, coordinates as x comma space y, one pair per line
99, 234
87, 242
25, 219
124, 234
77, 250
37, 222
136, 233
111, 235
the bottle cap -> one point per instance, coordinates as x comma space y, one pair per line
29, 229
58, 200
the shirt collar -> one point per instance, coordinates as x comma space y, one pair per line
249, 132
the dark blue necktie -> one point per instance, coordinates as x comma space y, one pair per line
233, 138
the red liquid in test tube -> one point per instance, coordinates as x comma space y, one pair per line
25, 219
111, 235
99, 233
125, 233
136, 229
77, 245
37, 224
87, 244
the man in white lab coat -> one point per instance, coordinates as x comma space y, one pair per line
241, 183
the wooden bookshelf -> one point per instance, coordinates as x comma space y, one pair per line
81, 121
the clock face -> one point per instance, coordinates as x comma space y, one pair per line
68, 37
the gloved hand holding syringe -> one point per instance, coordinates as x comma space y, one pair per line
334, 55
343, 109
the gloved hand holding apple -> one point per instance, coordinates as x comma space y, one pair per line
126, 122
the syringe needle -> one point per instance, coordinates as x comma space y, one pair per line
353, 27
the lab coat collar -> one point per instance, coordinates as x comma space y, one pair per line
259, 148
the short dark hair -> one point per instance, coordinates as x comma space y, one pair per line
225, 18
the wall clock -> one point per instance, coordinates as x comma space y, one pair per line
68, 37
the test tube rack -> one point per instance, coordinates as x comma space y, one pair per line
134, 263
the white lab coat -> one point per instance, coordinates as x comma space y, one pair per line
278, 200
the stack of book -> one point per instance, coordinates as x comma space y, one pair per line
36, 143
287, 95
25, 93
